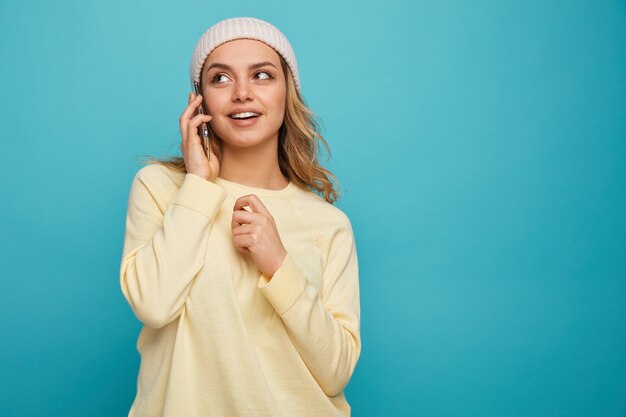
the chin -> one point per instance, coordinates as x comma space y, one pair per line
243, 140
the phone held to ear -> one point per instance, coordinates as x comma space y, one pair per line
203, 130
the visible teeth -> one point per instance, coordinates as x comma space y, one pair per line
242, 115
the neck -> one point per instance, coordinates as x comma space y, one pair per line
255, 166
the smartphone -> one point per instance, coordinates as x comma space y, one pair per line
203, 130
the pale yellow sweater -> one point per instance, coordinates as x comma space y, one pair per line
218, 338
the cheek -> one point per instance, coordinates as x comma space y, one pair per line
210, 106
215, 108
283, 108
279, 104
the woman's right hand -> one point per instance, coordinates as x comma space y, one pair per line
196, 161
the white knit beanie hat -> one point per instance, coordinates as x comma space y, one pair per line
242, 28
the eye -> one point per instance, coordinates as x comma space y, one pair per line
216, 77
269, 76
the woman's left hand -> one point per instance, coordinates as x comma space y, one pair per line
256, 233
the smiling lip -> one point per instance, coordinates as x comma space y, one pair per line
243, 110
244, 122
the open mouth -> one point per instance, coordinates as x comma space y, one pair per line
244, 116
244, 120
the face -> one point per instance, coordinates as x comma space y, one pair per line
244, 75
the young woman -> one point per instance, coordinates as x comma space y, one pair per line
246, 280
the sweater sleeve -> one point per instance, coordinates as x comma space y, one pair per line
165, 243
325, 329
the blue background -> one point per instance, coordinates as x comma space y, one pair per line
481, 146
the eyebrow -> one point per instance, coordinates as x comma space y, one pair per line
227, 67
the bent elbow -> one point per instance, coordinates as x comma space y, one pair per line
335, 385
333, 390
155, 318
149, 309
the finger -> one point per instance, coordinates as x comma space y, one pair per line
199, 119
244, 250
253, 201
241, 217
184, 117
243, 242
191, 107
189, 111
192, 127
245, 228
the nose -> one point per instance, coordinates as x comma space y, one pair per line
242, 91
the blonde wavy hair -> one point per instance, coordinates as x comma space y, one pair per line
298, 144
